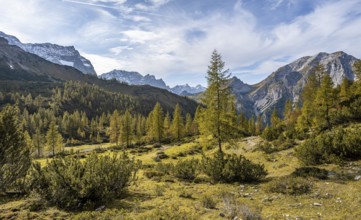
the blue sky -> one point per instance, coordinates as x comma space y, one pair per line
173, 39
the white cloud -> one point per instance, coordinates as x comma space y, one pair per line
148, 40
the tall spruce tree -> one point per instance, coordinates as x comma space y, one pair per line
14, 152
217, 98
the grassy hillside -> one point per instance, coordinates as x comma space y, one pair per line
150, 198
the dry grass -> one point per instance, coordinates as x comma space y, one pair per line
329, 199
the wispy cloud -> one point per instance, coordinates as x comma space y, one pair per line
174, 39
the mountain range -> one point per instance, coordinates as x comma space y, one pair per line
287, 82
54, 63
24, 72
54, 53
135, 78
69, 56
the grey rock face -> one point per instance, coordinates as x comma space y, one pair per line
288, 81
186, 89
61, 55
134, 78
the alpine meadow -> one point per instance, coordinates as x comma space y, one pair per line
253, 111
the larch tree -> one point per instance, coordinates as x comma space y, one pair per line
357, 71
126, 132
259, 125
114, 127
189, 125
157, 122
325, 102
54, 140
177, 123
167, 125
216, 99
305, 121
38, 142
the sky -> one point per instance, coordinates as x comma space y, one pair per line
174, 39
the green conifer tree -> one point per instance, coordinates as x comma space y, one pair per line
177, 123
216, 98
126, 129
14, 152
54, 140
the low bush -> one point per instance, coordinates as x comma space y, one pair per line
311, 172
331, 147
164, 168
290, 185
208, 202
157, 145
186, 169
185, 194
232, 168
237, 210
159, 190
72, 184
277, 145
109, 214
150, 174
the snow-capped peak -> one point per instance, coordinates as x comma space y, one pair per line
62, 55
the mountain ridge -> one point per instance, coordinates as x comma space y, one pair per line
287, 82
135, 78
62, 55
22, 70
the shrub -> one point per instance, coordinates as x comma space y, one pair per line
232, 168
152, 173
311, 172
331, 147
185, 194
290, 185
277, 145
186, 169
237, 210
73, 184
169, 212
208, 202
213, 166
159, 190
157, 145
164, 168
109, 214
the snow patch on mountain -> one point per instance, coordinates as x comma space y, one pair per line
62, 55
135, 78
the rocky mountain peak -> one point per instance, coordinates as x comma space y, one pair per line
135, 78
288, 81
62, 55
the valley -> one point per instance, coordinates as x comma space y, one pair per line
96, 139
